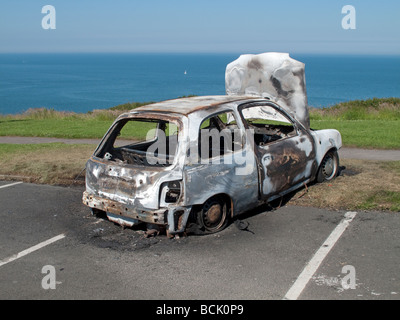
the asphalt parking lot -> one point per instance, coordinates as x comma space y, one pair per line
51, 247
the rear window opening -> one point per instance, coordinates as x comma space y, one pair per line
141, 142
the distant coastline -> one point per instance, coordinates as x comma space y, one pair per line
81, 82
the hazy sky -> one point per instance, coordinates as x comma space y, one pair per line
251, 26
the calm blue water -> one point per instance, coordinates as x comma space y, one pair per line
83, 82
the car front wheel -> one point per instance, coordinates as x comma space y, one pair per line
329, 167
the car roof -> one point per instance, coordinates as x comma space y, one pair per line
188, 105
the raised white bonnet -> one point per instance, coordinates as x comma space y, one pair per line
274, 75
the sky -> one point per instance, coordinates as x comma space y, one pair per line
201, 26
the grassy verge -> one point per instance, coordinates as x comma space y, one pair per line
49, 123
378, 183
377, 188
370, 109
375, 134
60, 128
373, 123
48, 163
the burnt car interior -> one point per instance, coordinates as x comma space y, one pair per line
141, 142
269, 124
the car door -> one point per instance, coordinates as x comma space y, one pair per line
222, 163
284, 149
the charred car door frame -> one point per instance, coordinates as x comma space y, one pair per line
285, 163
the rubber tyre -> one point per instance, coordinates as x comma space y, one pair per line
329, 167
213, 216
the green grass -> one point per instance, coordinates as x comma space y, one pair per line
372, 123
9, 150
370, 109
55, 128
44, 122
388, 199
379, 134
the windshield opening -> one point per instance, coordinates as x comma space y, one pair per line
268, 124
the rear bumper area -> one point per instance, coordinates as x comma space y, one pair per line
174, 217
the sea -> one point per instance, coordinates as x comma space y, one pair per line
87, 81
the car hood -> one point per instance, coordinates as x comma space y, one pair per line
273, 75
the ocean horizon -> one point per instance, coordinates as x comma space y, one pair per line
81, 82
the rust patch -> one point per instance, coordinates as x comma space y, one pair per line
193, 104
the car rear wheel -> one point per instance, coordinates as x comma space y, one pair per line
329, 167
213, 216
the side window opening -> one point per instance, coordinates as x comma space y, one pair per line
269, 124
219, 135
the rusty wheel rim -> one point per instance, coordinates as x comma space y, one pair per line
214, 215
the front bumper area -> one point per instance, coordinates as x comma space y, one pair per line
174, 217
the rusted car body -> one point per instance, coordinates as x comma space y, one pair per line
207, 159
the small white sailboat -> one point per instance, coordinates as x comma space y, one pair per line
185, 72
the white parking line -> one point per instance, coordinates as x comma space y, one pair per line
313, 265
9, 185
31, 249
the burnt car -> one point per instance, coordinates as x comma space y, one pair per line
206, 159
